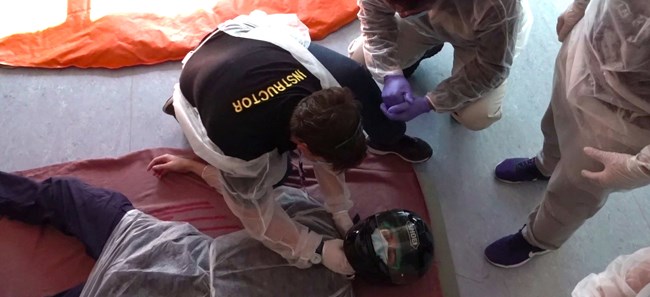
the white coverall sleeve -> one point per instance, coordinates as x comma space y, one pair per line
379, 28
626, 276
337, 195
262, 216
496, 38
643, 157
642, 162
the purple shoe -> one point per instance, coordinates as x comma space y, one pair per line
512, 251
518, 170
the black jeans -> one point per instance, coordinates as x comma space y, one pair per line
350, 74
75, 208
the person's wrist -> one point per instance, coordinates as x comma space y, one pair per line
317, 258
636, 167
391, 77
429, 103
194, 167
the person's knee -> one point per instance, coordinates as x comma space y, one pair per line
482, 113
476, 121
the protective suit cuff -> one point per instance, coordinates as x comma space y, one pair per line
644, 155
343, 222
391, 72
343, 204
307, 246
433, 106
639, 168
436, 104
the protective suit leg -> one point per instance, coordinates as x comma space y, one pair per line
90, 214
583, 120
486, 110
547, 159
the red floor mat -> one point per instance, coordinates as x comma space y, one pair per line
39, 261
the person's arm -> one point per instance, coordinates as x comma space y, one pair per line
337, 195
496, 39
626, 276
251, 200
379, 28
167, 163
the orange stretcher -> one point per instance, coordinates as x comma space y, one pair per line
119, 33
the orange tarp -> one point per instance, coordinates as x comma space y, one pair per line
134, 38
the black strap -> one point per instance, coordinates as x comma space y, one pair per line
319, 249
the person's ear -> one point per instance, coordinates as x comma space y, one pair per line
300, 145
303, 148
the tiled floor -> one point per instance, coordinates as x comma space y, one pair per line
51, 116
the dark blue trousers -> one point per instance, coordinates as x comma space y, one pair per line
350, 74
75, 208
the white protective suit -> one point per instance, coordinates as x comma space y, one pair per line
485, 34
148, 257
247, 185
601, 99
626, 276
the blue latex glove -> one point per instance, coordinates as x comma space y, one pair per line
408, 110
395, 87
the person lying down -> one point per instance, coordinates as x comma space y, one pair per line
139, 255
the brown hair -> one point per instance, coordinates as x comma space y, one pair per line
329, 122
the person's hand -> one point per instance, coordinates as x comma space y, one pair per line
408, 110
638, 276
622, 171
395, 87
569, 18
167, 163
343, 222
334, 257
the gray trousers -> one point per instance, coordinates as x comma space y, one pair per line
578, 116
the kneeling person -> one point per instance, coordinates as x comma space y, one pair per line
252, 92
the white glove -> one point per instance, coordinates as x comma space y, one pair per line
334, 257
569, 18
342, 221
622, 171
638, 276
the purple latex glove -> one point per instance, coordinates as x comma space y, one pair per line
395, 87
408, 110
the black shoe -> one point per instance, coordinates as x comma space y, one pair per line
410, 149
428, 54
168, 107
